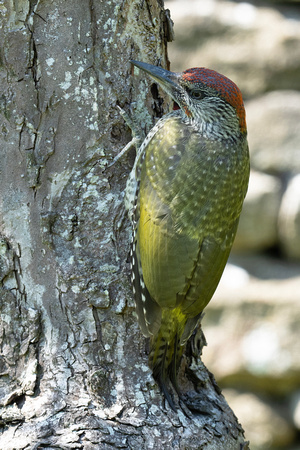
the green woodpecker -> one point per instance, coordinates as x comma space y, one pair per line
184, 196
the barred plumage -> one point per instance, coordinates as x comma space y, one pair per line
185, 195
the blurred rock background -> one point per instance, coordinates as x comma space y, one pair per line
252, 326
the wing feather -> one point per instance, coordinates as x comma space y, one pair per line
187, 217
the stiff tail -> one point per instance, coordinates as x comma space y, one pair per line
166, 352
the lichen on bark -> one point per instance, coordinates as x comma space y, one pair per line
74, 370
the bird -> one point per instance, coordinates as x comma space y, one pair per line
184, 197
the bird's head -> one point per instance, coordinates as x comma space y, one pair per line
202, 94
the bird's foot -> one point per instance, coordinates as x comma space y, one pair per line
136, 136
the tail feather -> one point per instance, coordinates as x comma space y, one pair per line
166, 352
160, 354
168, 329
175, 363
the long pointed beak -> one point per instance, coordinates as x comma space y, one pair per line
167, 80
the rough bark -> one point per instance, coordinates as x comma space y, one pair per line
73, 363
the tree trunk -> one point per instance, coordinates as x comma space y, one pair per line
73, 364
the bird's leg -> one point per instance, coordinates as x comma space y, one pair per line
135, 142
136, 136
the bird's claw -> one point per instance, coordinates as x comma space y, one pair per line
136, 136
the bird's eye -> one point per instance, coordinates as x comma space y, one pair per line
196, 94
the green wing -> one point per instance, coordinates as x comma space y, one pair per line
191, 195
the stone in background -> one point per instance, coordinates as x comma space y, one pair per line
256, 46
289, 219
252, 324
